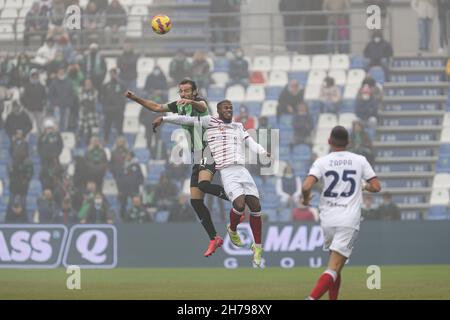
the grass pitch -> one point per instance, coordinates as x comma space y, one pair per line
397, 282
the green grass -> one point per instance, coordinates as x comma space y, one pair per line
397, 282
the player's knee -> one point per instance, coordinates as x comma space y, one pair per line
256, 210
203, 185
239, 205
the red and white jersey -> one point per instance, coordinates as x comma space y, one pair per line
342, 173
226, 140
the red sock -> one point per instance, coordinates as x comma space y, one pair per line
256, 225
324, 283
234, 219
334, 290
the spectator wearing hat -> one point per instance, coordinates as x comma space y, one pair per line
249, 122
34, 99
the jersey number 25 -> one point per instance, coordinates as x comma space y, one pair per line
346, 176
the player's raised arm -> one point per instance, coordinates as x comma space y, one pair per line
148, 104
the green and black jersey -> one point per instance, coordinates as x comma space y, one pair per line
197, 142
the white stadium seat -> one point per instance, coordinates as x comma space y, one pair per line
132, 110
23, 12
262, 63
441, 180
446, 122
220, 78
66, 157
9, 13
320, 62
109, 188
140, 81
131, 125
140, 142
346, 119
327, 121
312, 92
71, 169
108, 153
439, 197
351, 91
300, 63
281, 63
235, 93
278, 78
173, 94
69, 140
6, 32
111, 63
322, 136
255, 93
340, 61
321, 149
145, 65
15, 4
27, 3
134, 28
316, 77
143, 2
445, 135
269, 108
339, 76
164, 64
144, 170
356, 76
138, 10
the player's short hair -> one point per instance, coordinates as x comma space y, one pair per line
339, 137
189, 81
222, 102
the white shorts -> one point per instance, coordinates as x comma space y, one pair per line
237, 181
339, 239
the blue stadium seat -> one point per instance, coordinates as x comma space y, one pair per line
162, 216
142, 154
358, 62
300, 76
35, 188
301, 152
438, 213
216, 93
444, 150
155, 171
272, 93
443, 165
348, 106
378, 74
221, 65
254, 108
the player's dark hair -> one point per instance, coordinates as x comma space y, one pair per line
189, 81
339, 137
222, 102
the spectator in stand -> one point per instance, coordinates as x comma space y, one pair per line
93, 22
137, 212
34, 99
338, 25
289, 187
368, 209
57, 63
20, 171
249, 122
113, 101
6, 70
16, 213
166, 192
20, 73
443, 8
57, 13
360, 142
368, 101
118, 156
45, 53
51, 175
47, 207
102, 5
36, 24
302, 213
94, 66
127, 64
62, 97
200, 71
95, 207
50, 143
96, 162
63, 44
19, 148
426, 10
238, 70
180, 68
330, 96
303, 125
67, 214
88, 125
388, 210
116, 22
182, 210
156, 81
76, 78
18, 119
291, 22
129, 181
379, 52
289, 98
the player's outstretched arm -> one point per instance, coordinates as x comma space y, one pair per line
255, 146
306, 189
200, 106
373, 185
187, 120
148, 104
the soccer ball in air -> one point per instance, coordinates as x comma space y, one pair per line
161, 24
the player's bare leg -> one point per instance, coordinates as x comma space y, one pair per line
197, 202
330, 280
256, 226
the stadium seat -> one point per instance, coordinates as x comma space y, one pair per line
446, 121
444, 150
339, 76
346, 120
340, 62
351, 91
235, 93
161, 216
216, 93
109, 187
300, 76
6, 32
134, 28
29, 3
321, 150
164, 64
139, 10
443, 165
301, 63
145, 65
438, 213
132, 110
278, 78
255, 93
221, 65
327, 121
69, 140
269, 108
143, 169
355, 77
1, 188
358, 62
272, 93
111, 63
316, 77
66, 157
23, 12
220, 78
262, 63
445, 135
441, 180
378, 74
131, 125
322, 135
320, 62
71, 169
439, 196
282, 63
140, 142
15, 4
312, 92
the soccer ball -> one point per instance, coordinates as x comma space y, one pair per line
161, 24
